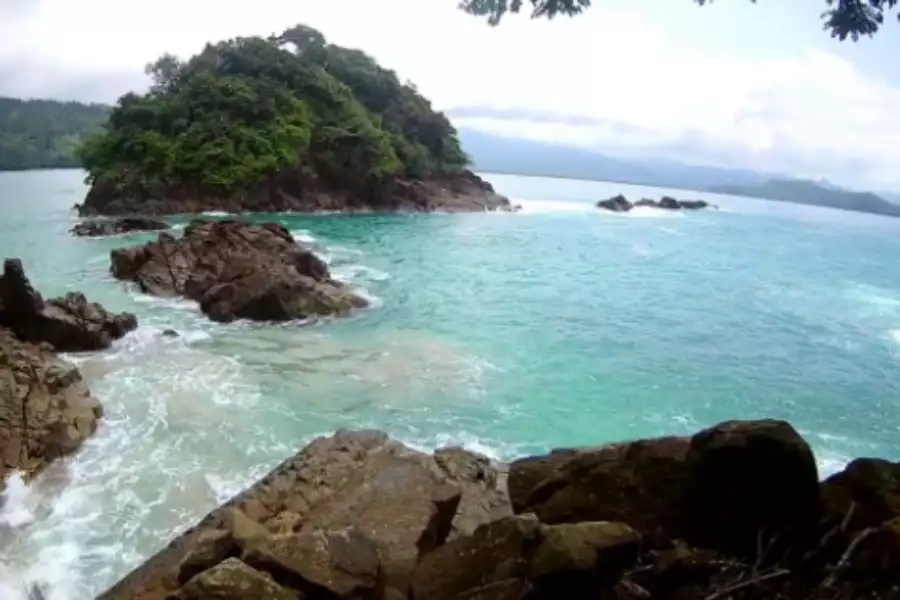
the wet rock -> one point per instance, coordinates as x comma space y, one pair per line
70, 323
333, 564
693, 204
237, 271
104, 227
234, 580
46, 411
616, 204
170, 333
669, 203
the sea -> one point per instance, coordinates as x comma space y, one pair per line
509, 334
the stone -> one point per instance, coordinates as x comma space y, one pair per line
69, 324
584, 547
335, 563
285, 522
483, 496
46, 410
616, 204
871, 486
234, 580
210, 548
104, 227
243, 530
237, 270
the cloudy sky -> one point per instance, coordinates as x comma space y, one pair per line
731, 83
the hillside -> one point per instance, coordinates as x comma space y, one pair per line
288, 122
38, 134
809, 192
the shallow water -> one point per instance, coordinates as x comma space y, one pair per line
509, 333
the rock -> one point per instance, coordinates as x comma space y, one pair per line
234, 580
69, 324
402, 500
495, 553
747, 477
243, 530
483, 496
581, 547
46, 411
616, 204
693, 204
98, 227
669, 203
867, 490
237, 271
332, 564
211, 548
296, 190
171, 333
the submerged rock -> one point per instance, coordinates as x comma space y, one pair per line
46, 411
237, 271
69, 324
616, 204
621, 204
104, 227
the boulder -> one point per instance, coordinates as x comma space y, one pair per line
104, 227
237, 271
70, 323
693, 204
867, 491
483, 497
616, 204
211, 548
46, 411
669, 203
234, 580
719, 488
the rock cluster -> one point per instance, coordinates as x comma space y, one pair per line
237, 270
621, 204
46, 411
69, 324
104, 227
735, 511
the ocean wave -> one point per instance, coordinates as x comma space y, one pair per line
302, 236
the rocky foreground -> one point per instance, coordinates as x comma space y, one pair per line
621, 204
105, 227
46, 411
293, 190
237, 271
735, 511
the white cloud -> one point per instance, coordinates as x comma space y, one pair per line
789, 106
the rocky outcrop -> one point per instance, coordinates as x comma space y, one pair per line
69, 324
46, 411
104, 227
295, 190
735, 511
237, 271
621, 204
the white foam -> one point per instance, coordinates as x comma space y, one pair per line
14, 510
303, 236
648, 212
356, 272
216, 213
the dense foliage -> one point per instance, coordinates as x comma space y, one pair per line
36, 134
843, 18
247, 108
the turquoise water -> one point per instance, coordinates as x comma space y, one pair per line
508, 333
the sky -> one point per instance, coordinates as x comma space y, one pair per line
731, 84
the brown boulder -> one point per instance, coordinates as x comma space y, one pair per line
330, 564
69, 324
483, 496
237, 271
867, 490
104, 227
234, 580
46, 411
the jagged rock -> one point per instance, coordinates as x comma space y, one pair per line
211, 548
397, 497
234, 580
867, 491
334, 564
669, 203
580, 547
237, 271
616, 204
70, 323
243, 530
98, 227
483, 495
46, 411
718, 488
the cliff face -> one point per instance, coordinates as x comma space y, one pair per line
283, 123
735, 511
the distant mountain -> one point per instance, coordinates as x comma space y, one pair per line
810, 192
43, 134
500, 154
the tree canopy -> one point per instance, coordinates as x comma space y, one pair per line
247, 108
842, 18
44, 134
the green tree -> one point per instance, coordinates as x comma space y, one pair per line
842, 18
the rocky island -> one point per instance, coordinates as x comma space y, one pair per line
735, 511
105, 227
46, 410
285, 123
621, 204
237, 270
